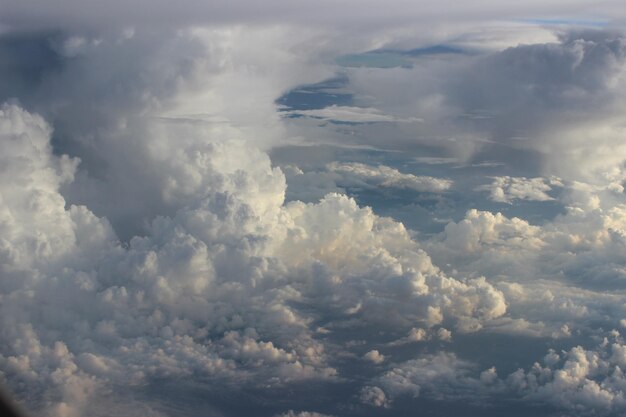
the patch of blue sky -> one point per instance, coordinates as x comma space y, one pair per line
435, 50
317, 96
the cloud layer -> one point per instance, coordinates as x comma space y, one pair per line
227, 288
156, 260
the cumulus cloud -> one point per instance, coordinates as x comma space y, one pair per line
507, 189
374, 356
581, 246
583, 381
187, 89
374, 396
437, 376
355, 174
588, 381
581, 230
70, 254
355, 177
147, 244
209, 291
414, 335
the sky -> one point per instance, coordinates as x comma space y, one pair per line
313, 209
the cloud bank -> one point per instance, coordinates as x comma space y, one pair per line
172, 244
212, 291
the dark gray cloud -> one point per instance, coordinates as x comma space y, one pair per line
531, 90
555, 106
75, 14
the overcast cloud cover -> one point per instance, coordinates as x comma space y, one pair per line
313, 209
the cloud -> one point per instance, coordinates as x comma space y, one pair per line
356, 177
573, 386
555, 82
587, 229
56, 259
374, 396
586, 381
211, 291
69, 14
524, 104
292, 413
583, 381
506, 189
153, 260
438, 376
555, 276
187, 89
347, 114
374, 356
384, 176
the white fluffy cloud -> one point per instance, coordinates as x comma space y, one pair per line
587, 381
507, 189
145, 241
210, 290
582, 381
438, 376
355, 174
339, 177
374, 356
